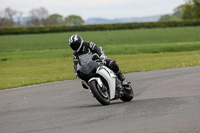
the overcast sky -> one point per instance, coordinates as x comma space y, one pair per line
109, 9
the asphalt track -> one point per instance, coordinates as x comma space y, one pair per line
165, 101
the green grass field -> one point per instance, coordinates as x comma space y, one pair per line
41, 58
103, 38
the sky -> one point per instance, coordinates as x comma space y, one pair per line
109, 9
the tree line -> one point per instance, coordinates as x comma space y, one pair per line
37, 17
189, 10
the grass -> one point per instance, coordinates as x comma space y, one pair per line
27, 72
36, 71
12, 43
109, 50
41, 58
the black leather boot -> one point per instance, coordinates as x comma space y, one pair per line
122, 78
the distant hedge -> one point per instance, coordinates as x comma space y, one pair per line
100, 27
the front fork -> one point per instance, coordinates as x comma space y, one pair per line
85, 84
119, 89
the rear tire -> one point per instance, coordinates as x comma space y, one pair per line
128, 94
102, 97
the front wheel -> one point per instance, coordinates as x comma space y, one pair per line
100, 93
128, 94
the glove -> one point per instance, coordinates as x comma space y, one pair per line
103, 58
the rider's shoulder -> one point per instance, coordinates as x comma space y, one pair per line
87, 43
90, 44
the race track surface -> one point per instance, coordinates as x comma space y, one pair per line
165, 101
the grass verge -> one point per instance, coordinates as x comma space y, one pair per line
18, 73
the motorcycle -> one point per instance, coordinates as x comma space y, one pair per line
103, 82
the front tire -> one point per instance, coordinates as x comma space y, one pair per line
102, 96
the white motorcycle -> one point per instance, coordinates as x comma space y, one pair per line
103, 83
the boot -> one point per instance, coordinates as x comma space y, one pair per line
122, 78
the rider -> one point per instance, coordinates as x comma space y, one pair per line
84, 50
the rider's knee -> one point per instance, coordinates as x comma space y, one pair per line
113, 65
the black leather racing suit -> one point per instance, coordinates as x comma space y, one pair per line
86, 53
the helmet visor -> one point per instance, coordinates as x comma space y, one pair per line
75, 46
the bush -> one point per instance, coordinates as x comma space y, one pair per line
100, 27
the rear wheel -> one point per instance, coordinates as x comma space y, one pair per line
128, 94
100, 93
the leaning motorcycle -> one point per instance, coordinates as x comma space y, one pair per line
104, 83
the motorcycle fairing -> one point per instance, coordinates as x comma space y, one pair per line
110, 77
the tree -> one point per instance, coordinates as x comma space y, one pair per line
177, 15
191, 10
19, 15
178, 12
166, 17
37, 17
4, 22
54, 19
43, 14
196, 8
10, 13
6, 17
74, 20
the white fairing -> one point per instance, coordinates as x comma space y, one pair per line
110, 78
